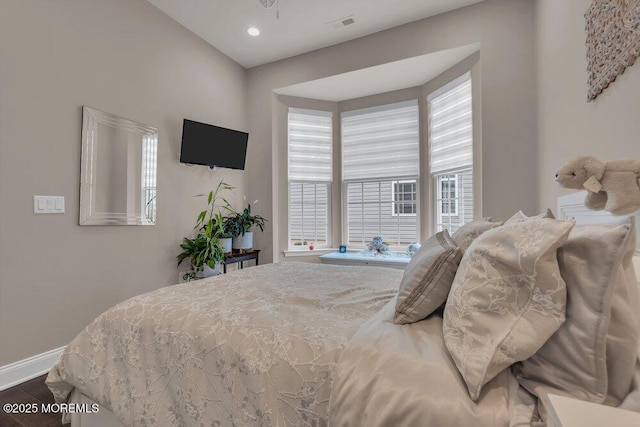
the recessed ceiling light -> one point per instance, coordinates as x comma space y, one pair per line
253, 31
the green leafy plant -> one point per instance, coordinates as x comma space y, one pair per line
240, 222
205, 247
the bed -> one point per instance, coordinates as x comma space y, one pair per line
293, 344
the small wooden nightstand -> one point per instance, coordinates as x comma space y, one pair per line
241, 258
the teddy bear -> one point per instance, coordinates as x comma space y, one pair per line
612, 186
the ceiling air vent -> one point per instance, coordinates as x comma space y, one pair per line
342, 22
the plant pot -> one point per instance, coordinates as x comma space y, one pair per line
225, 243
208, 271
243, 242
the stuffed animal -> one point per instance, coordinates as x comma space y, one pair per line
378, 246
612, 186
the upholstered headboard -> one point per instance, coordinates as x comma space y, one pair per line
572, 206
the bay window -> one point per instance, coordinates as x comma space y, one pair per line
382, 179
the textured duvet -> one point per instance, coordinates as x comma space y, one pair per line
253, 347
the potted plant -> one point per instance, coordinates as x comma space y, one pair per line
225, 238
205, 250
239, 224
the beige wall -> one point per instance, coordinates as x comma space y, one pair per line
568, 126
507, 83
120, 56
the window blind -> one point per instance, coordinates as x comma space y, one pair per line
451, 128
309, 145
381, 142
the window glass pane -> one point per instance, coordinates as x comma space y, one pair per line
454, 200
404, 198
308, 214
378, 208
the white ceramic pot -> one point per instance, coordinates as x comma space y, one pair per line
225, 244
243, 242
208, 271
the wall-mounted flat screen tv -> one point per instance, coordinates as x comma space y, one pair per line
213, 146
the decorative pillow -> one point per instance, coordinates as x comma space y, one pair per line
466, 234
624, 326
574, 360
427, 278
506, 300
520, 216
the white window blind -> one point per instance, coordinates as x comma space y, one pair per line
380, 142
309, 145
451, 128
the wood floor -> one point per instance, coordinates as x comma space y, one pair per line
34, 391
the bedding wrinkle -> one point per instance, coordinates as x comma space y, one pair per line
402, 375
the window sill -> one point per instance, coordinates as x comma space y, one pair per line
315, 252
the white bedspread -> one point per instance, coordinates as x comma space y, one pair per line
254, 347
403, 376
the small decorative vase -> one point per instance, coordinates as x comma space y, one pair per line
243, 242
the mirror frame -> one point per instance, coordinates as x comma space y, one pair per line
91, 119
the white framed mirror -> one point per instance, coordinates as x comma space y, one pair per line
118, 170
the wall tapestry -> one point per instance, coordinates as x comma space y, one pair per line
613, 41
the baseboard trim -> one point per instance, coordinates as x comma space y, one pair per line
29, 368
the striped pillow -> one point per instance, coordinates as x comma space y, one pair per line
427, 278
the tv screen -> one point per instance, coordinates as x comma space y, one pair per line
209, 145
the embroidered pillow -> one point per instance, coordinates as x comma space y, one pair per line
574, 360
427, 278
520, 216
506, 300
466, 234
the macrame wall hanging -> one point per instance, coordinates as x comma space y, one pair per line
613, 41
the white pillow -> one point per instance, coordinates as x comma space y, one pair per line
592, 356
506, 300
470, 231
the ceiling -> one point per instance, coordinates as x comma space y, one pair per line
387, 77
292, 27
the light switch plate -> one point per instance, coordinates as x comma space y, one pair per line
48, 204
